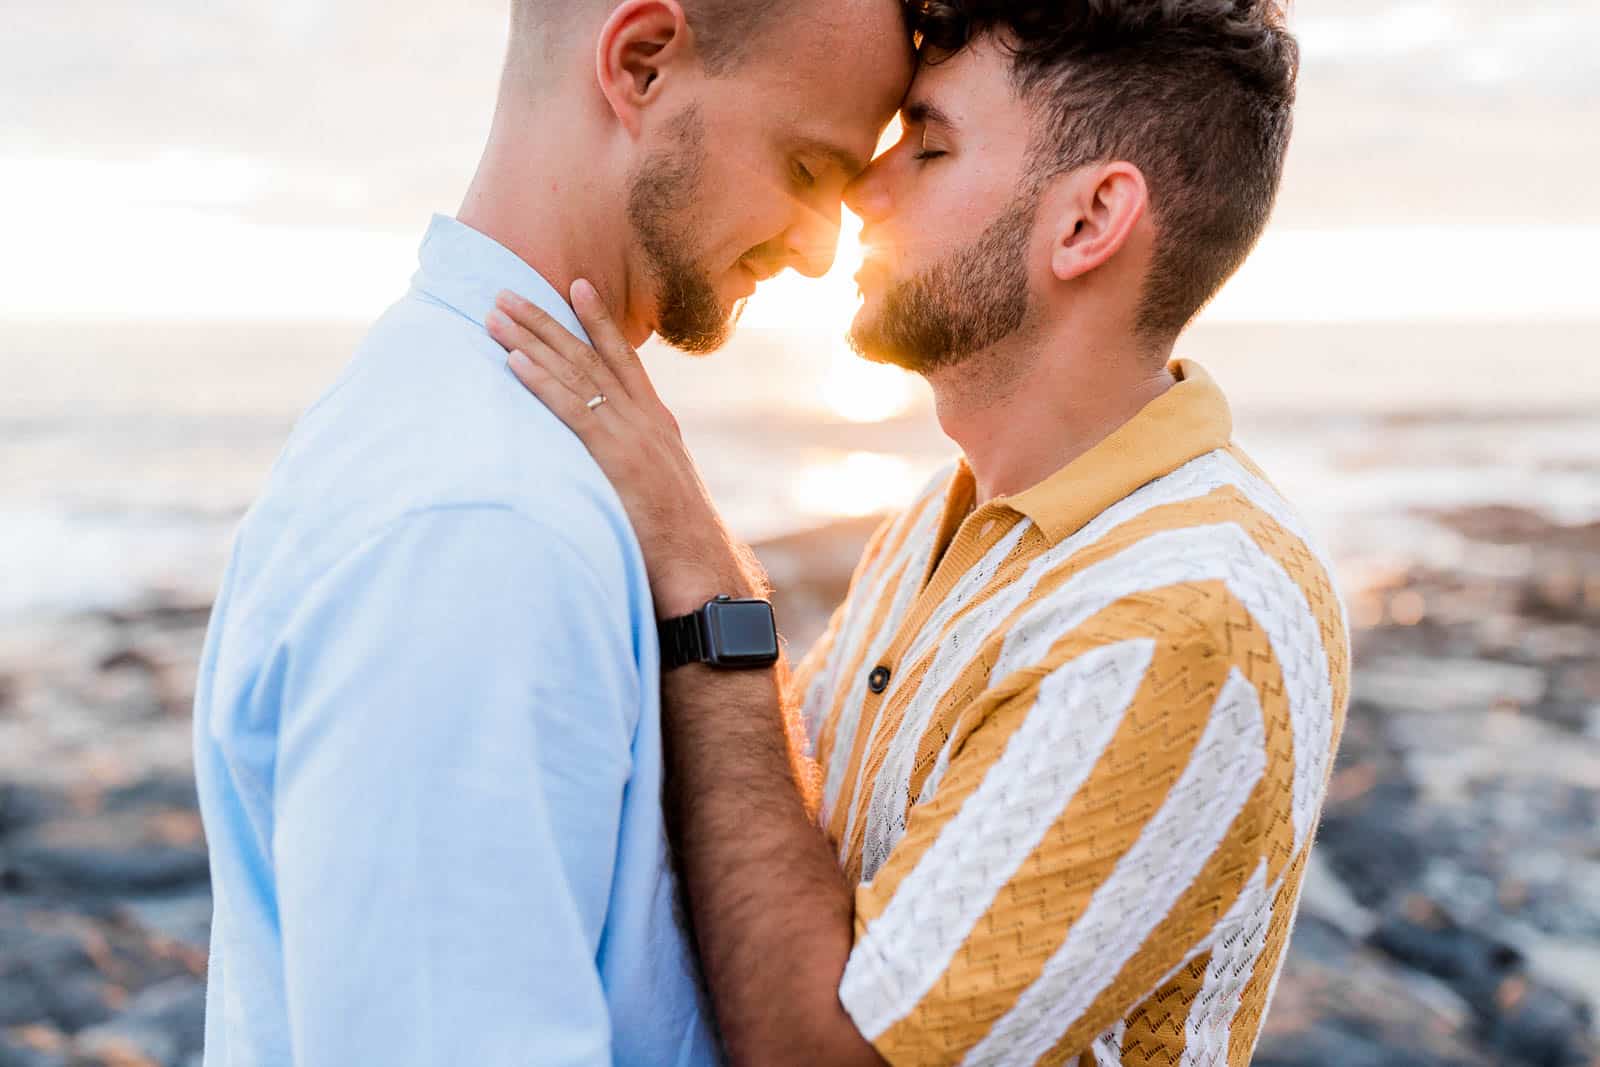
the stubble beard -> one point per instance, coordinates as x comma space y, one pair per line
661, 197
967, 302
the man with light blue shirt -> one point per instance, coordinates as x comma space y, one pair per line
427, 734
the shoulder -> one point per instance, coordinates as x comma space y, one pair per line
1215, 518
427, 427
1190, 556
468, 598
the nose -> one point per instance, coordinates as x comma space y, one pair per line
814, 240
867, 195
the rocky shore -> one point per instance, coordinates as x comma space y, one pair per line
1451, 914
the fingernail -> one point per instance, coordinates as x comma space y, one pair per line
519, 359
582, 290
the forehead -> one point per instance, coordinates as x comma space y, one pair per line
970, 91
836, 68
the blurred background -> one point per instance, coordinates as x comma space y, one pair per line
203, 204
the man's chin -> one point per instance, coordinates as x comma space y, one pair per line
699, 337
869, 342
693, 316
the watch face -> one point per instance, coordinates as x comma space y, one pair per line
742, 632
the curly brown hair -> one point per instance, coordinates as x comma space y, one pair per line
1198, 94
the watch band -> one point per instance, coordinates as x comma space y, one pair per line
681, 642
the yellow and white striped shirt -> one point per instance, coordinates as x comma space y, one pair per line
1074, 760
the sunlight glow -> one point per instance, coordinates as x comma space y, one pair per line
860, 391
827, 304
792, 301
858, 483
175, 238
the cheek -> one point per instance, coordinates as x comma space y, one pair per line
940, 213
743, 211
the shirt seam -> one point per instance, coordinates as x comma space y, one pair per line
386, 528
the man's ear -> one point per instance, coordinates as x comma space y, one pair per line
638, 43
1098, 208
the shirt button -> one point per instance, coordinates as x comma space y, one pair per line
878, 680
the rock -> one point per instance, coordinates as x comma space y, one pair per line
1417, 683
1522, 1020
143, 869
70, 965
13, 1053
183, 917
1370, 846
1340, 1002
1423, 936
21, 807
1539, 1027
164, 1025
176, 794
1450, 913
1565, 963
51, 976
1322, 894
1346, 1043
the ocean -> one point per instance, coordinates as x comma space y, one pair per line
129, 449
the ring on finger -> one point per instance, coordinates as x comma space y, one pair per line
596, 401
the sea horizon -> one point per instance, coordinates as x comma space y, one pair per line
133, 447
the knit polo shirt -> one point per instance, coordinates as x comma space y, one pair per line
1073, 762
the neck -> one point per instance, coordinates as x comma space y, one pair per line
1040, 399
536, 191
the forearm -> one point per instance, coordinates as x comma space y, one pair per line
773, 914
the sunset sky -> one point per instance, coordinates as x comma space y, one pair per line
279, 158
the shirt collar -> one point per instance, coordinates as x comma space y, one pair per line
464, 269
1188, 420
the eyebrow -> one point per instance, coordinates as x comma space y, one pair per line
921, 112
839, 156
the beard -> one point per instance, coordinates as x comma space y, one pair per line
967, 302
661, 194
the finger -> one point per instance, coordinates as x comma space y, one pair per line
621, 357
511, 334
517, 324
533, 320
562, 370
555, 394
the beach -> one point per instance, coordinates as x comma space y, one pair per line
1451, 911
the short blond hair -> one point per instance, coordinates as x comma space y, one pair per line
724, 30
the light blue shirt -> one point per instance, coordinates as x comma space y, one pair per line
427, 735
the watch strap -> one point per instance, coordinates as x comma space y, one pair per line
681, 641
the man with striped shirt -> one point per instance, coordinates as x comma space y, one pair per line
1075, 764
1073, 725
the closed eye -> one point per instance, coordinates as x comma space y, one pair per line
927, 153
803, 175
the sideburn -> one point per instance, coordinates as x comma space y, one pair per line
661, 195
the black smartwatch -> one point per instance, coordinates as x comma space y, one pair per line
729, 633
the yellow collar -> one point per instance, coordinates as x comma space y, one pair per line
1188, 420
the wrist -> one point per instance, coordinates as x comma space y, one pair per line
687, 590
